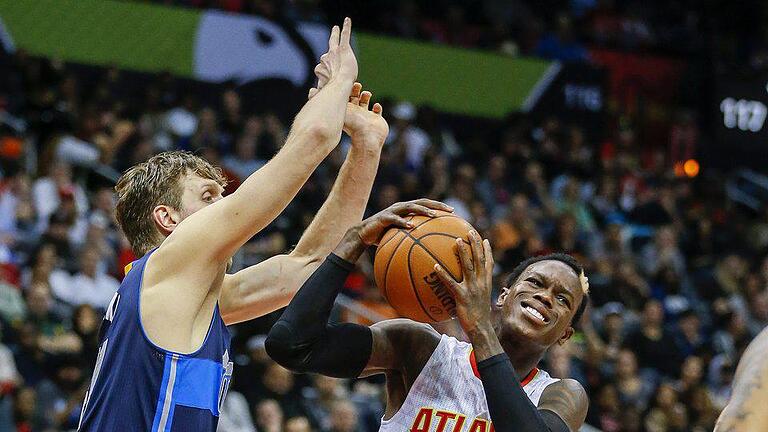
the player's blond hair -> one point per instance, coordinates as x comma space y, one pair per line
149, 184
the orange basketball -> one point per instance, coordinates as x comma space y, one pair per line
404, 266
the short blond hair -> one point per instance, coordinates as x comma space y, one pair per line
149, 184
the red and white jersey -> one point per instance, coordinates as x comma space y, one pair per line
448, 395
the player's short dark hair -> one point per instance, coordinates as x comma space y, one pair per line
563, 258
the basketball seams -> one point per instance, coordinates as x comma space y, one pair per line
418, 261
385, 290
417, 241
413, 285
428, 220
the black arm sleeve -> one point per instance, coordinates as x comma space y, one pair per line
303, 341
508, 405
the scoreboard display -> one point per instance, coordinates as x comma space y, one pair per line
741, 123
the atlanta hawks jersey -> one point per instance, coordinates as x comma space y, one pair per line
448, 395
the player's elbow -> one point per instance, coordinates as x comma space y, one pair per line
286, 349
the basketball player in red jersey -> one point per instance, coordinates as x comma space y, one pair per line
436, 383
745, 411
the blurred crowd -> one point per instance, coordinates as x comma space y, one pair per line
678, 273
727, 34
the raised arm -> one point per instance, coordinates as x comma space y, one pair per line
269, 285
205, 241
304, 341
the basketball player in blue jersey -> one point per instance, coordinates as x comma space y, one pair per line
164, 363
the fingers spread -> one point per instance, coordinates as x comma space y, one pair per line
333, 41
475, 244
377, 108
416, 209
447, 280
488, 260
346, 32
437, 205
365, 98
393, 219
467, 266
354, 96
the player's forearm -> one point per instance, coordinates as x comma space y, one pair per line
228, 224
345, 204
302, 339
258, 290
322, 117
510, 408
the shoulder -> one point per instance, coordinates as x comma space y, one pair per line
568, 399
409, 331
403, 344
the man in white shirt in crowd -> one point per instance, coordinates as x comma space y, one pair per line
89, 286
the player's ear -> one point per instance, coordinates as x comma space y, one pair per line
166, 218
502, 297
566, 335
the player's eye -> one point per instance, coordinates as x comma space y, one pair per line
207, 197
534, 281
564, 300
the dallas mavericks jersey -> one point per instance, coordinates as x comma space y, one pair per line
138, 386
448, 395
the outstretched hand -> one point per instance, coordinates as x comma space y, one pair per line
364, 126
339, 62
473, 293
372, 229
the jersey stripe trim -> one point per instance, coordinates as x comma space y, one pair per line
528, 378
166, 392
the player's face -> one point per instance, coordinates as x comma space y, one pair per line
541, 304
198, 193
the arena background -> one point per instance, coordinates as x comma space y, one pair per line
629, 133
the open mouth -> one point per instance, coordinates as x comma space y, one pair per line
535, 314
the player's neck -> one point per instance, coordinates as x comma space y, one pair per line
523, 355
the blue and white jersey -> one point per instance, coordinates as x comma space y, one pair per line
138, 386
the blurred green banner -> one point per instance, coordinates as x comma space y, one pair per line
215, 46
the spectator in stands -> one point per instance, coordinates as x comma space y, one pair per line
49, 192
344, 418
61, 398
562, 45
633, 390
235, 414
277, 384
269, 416
320, 400
90, 285
410, 142
245, 160
653, 344
297, 424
